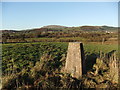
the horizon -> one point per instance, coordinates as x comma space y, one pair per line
56, 25
29, 15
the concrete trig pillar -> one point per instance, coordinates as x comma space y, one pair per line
75, 61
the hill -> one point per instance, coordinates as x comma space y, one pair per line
58, 28
54, 26
61, 34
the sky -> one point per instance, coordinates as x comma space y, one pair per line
27, 15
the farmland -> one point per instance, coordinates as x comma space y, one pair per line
62, 34
39, 65
59, 45
35, 58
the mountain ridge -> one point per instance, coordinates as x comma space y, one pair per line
65, 28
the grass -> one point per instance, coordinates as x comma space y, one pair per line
88, 47
98, 47
45, 39
36, 68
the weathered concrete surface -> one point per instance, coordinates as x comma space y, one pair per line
75, 62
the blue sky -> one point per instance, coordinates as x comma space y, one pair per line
27, 15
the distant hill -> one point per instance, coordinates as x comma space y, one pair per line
57, 28
90, 33
54, 26
98, 28
8, 31
88, 28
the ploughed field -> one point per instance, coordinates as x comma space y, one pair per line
26, 64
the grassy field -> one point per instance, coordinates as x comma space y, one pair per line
29, 63
33, 51
56, 39
89, 47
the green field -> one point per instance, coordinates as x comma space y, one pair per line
25, 60
88, 47
62, 39
31, 52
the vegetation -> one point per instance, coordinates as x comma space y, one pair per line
35, 58
41, 65
61, 34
